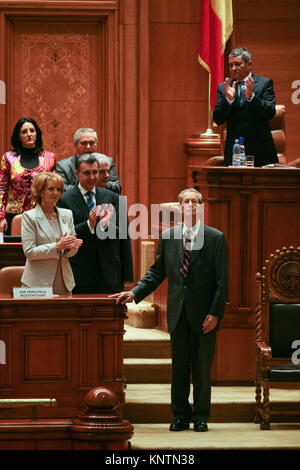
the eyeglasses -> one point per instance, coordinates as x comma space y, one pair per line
85, 143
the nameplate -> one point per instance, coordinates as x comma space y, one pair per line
32, 293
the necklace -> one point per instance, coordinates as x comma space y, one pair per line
51, 216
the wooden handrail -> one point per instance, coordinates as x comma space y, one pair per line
33, 402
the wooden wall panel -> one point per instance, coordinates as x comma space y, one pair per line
55, 80
170, 121
273, 37
235, 356
277, 224
60, 64
46, 348
162, 188
175, 73
176, 94
175, 11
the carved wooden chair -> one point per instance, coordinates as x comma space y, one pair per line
277, 331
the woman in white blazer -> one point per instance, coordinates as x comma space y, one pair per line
48, 237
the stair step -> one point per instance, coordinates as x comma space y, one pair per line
150, 403
146, 343
221, 436
147, 370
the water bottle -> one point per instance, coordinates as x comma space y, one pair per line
242, 152
236, 153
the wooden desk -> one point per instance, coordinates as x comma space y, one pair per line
11, 254
258, 211
61, 348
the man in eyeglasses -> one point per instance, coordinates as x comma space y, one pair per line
85, 141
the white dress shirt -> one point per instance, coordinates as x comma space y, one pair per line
193, 232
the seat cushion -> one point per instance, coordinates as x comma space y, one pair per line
285, 373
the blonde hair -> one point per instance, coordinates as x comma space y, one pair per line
40, 182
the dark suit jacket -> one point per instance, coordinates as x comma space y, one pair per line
250, 121
203, 291
66, 169
108, 259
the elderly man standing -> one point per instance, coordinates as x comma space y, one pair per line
193, 257
85, 141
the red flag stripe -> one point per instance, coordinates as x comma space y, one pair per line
215, 16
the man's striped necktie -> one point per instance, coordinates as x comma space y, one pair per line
241, 92
90, 200
184, 269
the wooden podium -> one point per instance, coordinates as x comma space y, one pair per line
258, 211
68, 349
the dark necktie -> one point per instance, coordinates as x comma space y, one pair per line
90, 200
184, 269
241, 92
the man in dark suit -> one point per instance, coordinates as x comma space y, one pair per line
85, 141
103, 263
194, 258
246, 102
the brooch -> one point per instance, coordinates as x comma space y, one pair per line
64, 219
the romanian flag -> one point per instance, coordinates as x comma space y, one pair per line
216, 27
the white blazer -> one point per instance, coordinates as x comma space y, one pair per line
39, 246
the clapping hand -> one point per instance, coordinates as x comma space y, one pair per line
229, 90
68, 242
249, 88
106, 213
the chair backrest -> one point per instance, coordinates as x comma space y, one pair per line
278, 313
16, 225
10, 276
277, 126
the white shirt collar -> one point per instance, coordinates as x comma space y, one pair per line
84, 191
246, 78
194, 229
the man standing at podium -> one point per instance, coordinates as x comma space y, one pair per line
246, 102
193, 257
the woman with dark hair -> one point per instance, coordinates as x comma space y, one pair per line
18, 167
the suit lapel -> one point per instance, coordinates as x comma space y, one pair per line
99, 196
200, 242
72, 166
79, 202
255, 82
44, 224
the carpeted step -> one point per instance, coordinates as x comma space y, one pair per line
221, 436
147, 370
146, 343
150, 403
